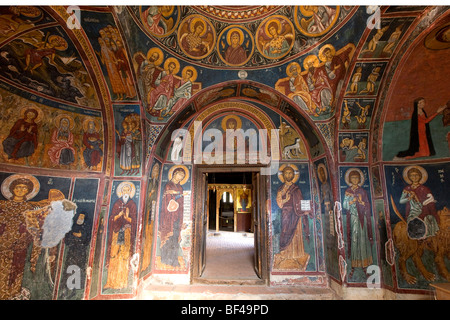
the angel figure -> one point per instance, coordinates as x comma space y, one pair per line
280, 40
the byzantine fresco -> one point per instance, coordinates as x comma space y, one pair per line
258, 94
196, 36
275, 37
166, 92
119, 260
49, 135
318, 225
35, 216
99, 230
235, 45
293, 227
358, 223
419, 218
128, 127
111, 53
77, 242
174, 220
47, 62
383, 41
292, 144
160, 21
356, 113
417, 115
311, 24
150, 215
232, 135
251, 47
315, 89
52, 119
365, 79
326, 200
386, 245
16, 19
353, 147
314, 21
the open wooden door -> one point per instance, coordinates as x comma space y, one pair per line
256, 205
205, 209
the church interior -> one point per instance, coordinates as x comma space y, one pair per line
267, 147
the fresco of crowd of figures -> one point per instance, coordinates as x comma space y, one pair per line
87, 114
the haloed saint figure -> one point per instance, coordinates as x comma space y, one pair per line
359, 222
171, 220
121, 237
292, 253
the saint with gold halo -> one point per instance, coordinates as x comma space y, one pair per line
196, 37
292, 255
275, 38
171, 220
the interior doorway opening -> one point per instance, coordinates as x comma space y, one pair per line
230, 202
230, 241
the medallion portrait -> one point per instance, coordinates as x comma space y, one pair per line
275, 37
196, 37
315, 21
235, 45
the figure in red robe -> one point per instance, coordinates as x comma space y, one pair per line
420, 143
22, 139
171, 220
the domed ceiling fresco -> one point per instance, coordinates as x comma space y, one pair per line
90, 96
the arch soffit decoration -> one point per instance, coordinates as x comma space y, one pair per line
296, 117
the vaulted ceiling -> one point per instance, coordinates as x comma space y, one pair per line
55, 55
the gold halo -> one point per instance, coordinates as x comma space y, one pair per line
321, 165
62, 43
40, 113
322, 56
266, 27
160, 54
124, 183
294, 167
226, 34
308, 59
241, 35
177, 65
361, 176
186, 171
231, 116
422, 171
86, 124
194, 21
7, 182
288, 71
194, 73
167, 13
306, 12
61, 116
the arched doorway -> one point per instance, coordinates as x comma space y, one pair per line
290, 139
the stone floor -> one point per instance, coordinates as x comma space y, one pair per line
234, 292
229, 275
229, 256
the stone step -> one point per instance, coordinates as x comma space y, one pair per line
234, 292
